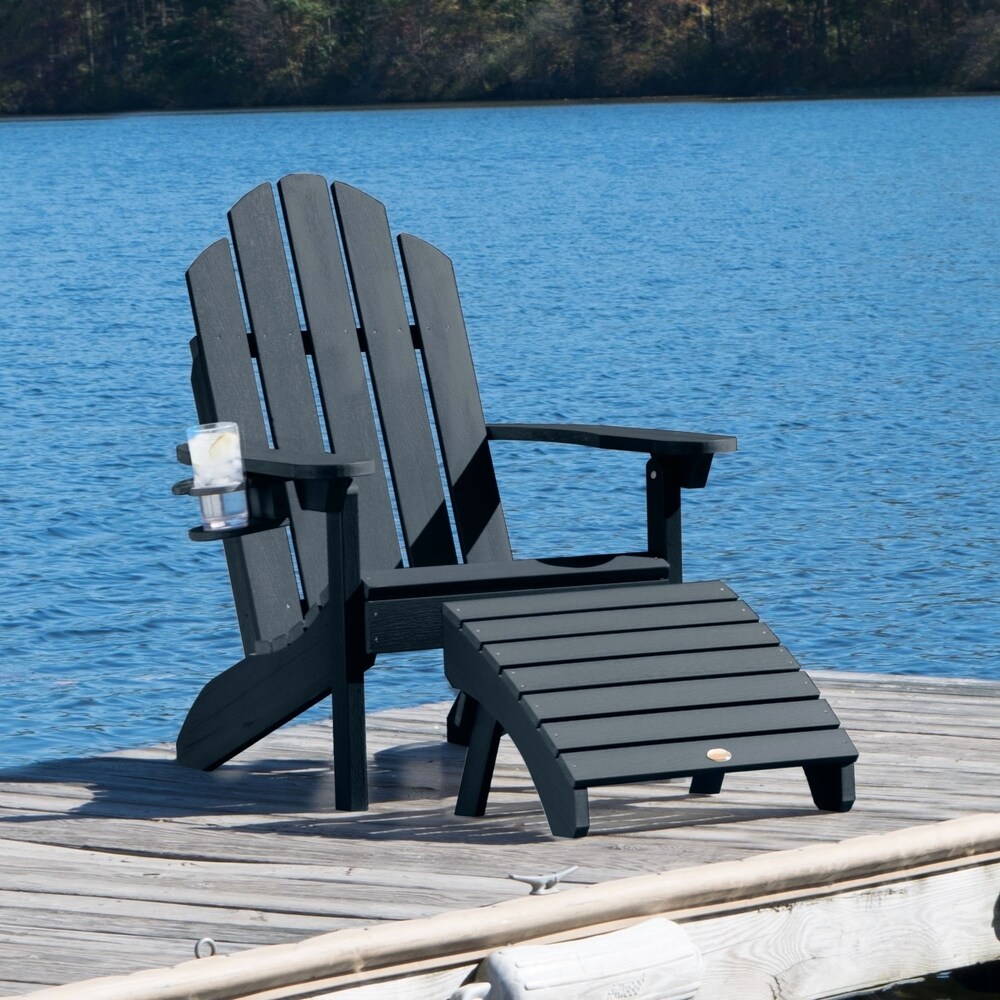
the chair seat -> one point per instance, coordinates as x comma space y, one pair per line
403, 606
517, 574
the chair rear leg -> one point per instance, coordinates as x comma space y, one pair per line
480, 760
257, 695
832, 786
350, 752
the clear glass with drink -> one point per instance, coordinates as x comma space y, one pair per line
218, 469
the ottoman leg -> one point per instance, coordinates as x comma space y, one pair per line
832, 786
566, 809
480, 759
461, 719
707, 783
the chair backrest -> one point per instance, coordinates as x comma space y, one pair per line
293, 382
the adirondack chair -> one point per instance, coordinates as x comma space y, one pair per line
314, 614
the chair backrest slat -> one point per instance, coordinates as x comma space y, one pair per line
281, 360
260, 566
337, 358
395, 377
458, 412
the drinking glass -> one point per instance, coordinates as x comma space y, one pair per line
218, 466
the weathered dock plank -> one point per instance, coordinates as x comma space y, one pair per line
120, 862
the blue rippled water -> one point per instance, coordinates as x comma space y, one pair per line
820, 279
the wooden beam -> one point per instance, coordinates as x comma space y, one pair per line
808, 949
845, 942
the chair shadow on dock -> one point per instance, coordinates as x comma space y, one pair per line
413, 795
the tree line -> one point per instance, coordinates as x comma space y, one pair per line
64, 56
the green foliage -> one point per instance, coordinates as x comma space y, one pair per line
99, 55
196, 60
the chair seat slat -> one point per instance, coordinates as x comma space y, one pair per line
597, 622
513, 575
750, 753
597, 647
707, 724
627, 698
637, 595
635, 669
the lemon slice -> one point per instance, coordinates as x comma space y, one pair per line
224, 447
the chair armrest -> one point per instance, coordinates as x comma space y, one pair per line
677, 460
685, 455
280, 463
302, 467
321, 483
668, 444
321, 480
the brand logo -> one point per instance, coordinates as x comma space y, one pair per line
627, 989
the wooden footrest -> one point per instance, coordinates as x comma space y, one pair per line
636, 682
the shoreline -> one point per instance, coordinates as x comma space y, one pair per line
873, 94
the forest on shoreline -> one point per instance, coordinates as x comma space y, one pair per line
79, 56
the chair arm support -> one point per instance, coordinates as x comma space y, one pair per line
677, 460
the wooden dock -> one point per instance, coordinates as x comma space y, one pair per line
121, 863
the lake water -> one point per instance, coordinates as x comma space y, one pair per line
820, 279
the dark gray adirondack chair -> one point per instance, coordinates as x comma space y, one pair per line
314, 614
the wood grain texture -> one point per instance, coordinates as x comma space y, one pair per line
856, 941
583, 623
405, 623
548, 706
471, 580
260, 693
639, 643
151, 857
656, 727
639, 669
779, 923
603, 599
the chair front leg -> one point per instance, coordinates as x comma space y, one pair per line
665, 477
663, 515
348, 657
